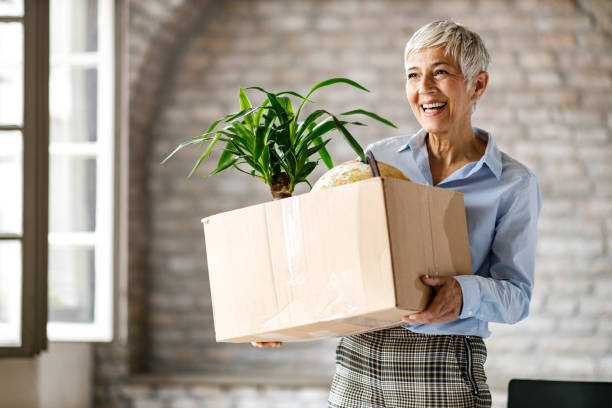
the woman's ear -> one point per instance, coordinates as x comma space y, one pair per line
479, 84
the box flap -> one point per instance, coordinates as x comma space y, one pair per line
411, 241
449, 229
428, 233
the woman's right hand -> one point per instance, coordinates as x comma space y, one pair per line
267, 344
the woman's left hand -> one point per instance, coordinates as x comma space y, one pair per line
446, 304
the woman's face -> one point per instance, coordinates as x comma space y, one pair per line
437, 93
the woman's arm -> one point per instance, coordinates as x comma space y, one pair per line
504, 296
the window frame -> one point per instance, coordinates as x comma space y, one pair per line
103, 149
35, 131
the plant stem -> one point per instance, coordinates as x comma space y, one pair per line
280, 187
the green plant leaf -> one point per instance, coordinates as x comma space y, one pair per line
253, 164
372, 115
240, 170
286, 104
260, 139
261, 111
335, 81
226, 155
211, 128
264, 159
281, 136
323, 153
328, 82
238, 115
310, 120
279, 110
350, 139
246, 104
236, 149
179, 147
247, 138
288, 108
316, 148
203, 156
227, 164
259, 88
297, 95
306, 170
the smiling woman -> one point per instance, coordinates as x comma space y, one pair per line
437, 358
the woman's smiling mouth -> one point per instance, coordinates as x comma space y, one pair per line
433, 108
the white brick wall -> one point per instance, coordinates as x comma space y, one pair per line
548, 104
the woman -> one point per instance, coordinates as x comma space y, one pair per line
437, 359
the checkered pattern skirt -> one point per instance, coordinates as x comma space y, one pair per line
396, 368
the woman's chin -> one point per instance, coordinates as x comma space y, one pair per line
434, 128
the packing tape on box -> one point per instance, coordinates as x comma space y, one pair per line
292, 229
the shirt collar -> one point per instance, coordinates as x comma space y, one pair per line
416, 142
491, 157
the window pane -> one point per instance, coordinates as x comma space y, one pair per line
11, 174
11, 73
10, 293
72, 194
73, 105
71, 284
11, 8
74, 27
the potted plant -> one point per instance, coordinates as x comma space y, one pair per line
271, 140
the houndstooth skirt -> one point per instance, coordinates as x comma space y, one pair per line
396, 368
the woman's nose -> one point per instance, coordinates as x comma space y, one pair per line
426, 84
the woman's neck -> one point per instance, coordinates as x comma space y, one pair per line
455, 148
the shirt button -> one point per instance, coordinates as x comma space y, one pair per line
470, 313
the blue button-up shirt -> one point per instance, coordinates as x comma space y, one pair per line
502, 203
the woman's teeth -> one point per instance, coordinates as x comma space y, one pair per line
436, 105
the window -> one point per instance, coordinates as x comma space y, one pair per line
58, 166
81, 192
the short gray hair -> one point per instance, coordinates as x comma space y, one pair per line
464, 45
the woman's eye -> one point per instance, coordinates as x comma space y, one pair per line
412, 75
440, 72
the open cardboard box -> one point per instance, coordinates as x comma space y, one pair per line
332, 263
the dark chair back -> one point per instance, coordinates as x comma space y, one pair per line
559, 394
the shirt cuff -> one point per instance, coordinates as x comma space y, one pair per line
471, 295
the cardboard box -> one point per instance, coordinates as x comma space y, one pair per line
332, 263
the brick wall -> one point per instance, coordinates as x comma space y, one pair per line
547, 105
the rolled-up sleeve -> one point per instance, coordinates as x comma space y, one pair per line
504, 295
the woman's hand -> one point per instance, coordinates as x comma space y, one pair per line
267, 344
446, 304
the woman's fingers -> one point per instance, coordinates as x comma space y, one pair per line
446, 304
266, 344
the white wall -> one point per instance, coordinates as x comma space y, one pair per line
59, 378
19, 383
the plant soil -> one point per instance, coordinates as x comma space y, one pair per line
280, 186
